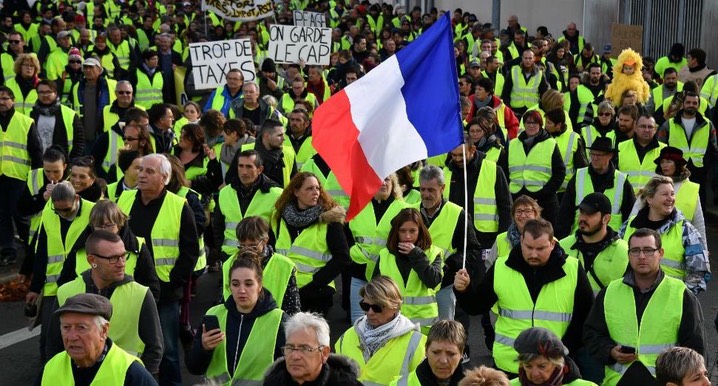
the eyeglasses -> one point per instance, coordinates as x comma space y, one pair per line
302, 349
530, 123
61, 211
75, 61
648, 252
524, 212
14, 41
374, 307
124, 92
111, 259
28, 66
604, 114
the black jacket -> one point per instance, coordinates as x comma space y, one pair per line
208, 183
59, 134
338, 370
500, 190
142, 219
601, 182
597, 338
100, 149
273, 169
148, 329
144, 274
427, 377
237, 332
480, 296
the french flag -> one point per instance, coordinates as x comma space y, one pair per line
405, 110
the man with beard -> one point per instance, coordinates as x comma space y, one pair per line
602, 253
627, 117
300, 136
660, 93
695, 136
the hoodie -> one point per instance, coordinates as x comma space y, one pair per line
236, 332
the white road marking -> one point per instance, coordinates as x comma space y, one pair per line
18, 336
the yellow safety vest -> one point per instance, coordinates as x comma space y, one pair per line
287, 102
262, 205
57, 247
148, 92
531, 171
657, 95
609, 265
553, 308
309, 251
659, 324
370, 235
75, 98
524, 94
567, 146
584, 187
305, 152
590, 133
127, 300
442, 228
35, 182
398, 356
687, 198
122, 52
419, 301
29, 32
23, 103
639, 173
7, 62
165, 231
255, 358
486, 213
112, 371
696, 150
673, 262
503, 245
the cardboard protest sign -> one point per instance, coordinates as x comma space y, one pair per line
626, 36
309, 19
240, 10
212, 60
291, 44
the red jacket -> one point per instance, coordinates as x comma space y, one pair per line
510, 120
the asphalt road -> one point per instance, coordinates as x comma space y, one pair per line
21, 361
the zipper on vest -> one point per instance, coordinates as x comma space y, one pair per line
236, 349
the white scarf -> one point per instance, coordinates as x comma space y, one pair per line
372, 339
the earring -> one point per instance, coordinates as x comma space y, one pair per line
94, 265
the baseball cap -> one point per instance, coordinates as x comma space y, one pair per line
607, 48
474, 63
90, 304
595, 202
63, 34
541, 341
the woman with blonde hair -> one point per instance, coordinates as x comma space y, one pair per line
383, 342
24, 84
484, 376
309, 229
369, 230
685, 256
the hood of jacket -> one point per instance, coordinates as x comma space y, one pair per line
338, 370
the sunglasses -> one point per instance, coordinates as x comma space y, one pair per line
124, 92
75, 62
604, 114
14, 41
374, 307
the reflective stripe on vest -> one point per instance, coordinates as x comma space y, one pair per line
23, 103
590, 133
553, 308
659, 325
567, 146
35, 182
165, 231
399, 356
112, 371
419, 301
309, 250
687, 198
261, 205
278, 272
13, 147
531, 171
610, 264
638, 172
148, 92
442, 228
524, 94
252, 363
115, 142
127, 300
58, 247
122, 52
696, 150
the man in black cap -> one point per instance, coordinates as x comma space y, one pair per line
269, 82
600, 176
602, 253
90, 357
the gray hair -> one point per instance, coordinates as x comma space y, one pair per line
250, 83
606, 106
530, 357
271, 100
63, 192
165, 166
676, 363
432, 172
124, 83
100, 321
303, 321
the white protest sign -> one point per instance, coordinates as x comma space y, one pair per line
240, 10
212, 60
290, 44
309, 19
